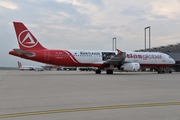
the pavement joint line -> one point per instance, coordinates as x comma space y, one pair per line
5, 76
88, 109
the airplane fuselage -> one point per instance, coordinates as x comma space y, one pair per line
96, 58
31, 49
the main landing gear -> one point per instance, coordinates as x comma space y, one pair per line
98, 71
108, 71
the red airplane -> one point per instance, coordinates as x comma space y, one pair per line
31, 49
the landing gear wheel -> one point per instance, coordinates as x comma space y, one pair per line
109, 71
98, 71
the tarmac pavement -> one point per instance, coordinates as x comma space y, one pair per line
64, 95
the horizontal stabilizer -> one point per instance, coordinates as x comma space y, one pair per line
23, 52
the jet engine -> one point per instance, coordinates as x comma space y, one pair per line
130, 66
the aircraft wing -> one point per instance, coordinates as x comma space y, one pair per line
23, 52
119, 58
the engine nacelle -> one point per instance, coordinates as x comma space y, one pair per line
130, 66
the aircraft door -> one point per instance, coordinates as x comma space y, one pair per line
46, 55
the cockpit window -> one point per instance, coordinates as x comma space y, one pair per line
169, 56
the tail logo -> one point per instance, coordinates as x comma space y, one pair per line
26, 39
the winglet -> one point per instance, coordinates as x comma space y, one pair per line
119, 52
19, 64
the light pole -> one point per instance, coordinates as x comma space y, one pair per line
145, 37
114, 44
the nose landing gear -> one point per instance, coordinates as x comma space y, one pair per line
163, 70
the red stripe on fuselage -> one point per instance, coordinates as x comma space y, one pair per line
72, 56
63, 58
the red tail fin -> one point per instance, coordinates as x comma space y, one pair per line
25, 38
19, 64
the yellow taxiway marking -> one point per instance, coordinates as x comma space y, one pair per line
88, 109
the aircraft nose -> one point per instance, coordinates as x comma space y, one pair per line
173, 61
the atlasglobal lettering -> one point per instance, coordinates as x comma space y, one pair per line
144, 57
